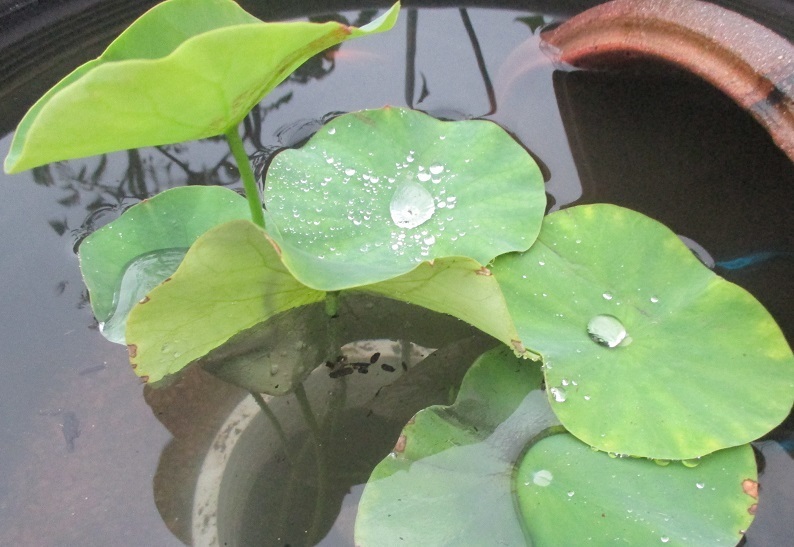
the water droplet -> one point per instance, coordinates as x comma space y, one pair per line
542, 477
662, 463
429, 240
332, 131
411, 205
665, 539
350, 172
607, 296
700, 485
571, 493
694, 462
606, 330
329, 160
558, 393
541, 263
436, 169
423, 177
654, 299
273, 369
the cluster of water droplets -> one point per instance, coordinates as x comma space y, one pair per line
420, 207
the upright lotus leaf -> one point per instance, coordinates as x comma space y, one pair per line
376, 192
459, 287
185, 70
647, 351
230, 280
128, 257
495, 469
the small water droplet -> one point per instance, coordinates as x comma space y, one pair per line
542, 477
665, 539
607, 296
654, 299
411, 205
429, 240
423, 177
559, 394
571, 493
700, 485
541, 263
436, 169
694, 462
329, 160
606, 330
350, 172
332, 131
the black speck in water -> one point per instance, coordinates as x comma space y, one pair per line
71, 429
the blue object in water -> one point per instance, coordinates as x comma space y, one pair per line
751, 259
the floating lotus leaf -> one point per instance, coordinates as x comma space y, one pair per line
185, 70
230, 280
125, 259
374, 193
647, 351
494, 469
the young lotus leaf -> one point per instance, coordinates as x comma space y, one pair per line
459, 287
376, 192
494, 469
646, 351
185, 70
125, 259
230, 280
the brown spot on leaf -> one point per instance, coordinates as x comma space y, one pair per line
143, 300
134, 365
144, 379
750, 488
752, 509
166, 280
132, 350
518, 347
400, 446
483, 271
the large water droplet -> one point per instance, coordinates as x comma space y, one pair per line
411, 205
542, 477
559, 394
606, 330
142, 275
436, 169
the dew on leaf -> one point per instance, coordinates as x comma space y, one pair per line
411, 205
606, 330
542, 477
559, 394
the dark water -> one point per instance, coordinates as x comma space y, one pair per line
665, 145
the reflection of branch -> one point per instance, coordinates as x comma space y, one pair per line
410, 57
475, 44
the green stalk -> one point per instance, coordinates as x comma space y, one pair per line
247, 174
263, 406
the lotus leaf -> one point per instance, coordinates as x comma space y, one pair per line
495, 469
185, 70
125, 259
375, 193
646, 351
230, 280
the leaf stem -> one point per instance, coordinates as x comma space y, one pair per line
247, 174
322, 475
273, 421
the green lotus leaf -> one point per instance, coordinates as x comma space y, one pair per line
128, 257
185, 70
230, 280
375, 193
647, 352
573, 495
496, 469
459, 287
449, 479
